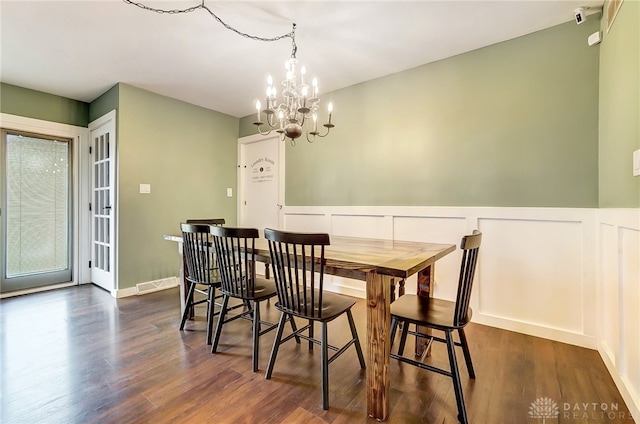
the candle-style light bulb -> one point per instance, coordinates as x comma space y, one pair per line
330, 109
314, 83
303, 71
281, 118
258, 107
315, 122
269, 80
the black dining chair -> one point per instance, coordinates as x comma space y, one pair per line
442, 315
201, 270
296, 259
236, 258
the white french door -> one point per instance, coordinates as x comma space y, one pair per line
103, 242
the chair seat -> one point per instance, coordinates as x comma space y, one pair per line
333, 305
264, 289
429, 311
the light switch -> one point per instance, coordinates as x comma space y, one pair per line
229, 192
636, 163
145, 188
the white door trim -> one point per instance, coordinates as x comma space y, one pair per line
281, 153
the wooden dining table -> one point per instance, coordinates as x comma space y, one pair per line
378, 263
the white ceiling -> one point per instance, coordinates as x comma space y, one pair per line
79, 49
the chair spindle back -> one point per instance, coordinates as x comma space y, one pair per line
296, 258
236, 259
199, 255
470, 246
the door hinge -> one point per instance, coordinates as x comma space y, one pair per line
90, 150
89, 264
89, 207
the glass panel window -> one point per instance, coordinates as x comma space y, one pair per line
38, 205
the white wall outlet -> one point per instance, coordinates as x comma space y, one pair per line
229, 192
145, 188
636, 163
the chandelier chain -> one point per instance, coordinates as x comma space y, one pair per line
291, 34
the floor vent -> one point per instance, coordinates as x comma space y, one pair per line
157, 285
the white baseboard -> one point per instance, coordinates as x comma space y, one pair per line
632, 400
536, 330
120, 293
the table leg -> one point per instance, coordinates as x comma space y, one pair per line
183, 282
426, 277
378, 344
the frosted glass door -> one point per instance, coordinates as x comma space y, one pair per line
36, 213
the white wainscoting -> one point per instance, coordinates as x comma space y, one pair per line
537, 266
619, 300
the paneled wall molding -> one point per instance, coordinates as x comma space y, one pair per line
536, 271
619, 300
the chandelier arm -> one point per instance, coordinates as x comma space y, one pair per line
325, 134
270, 120
311, 140
258, 125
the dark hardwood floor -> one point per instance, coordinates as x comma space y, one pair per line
77, 355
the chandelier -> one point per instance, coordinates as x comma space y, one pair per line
299, 103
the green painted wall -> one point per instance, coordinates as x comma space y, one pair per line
34, 104
513, 124
620, 108
188, 154
105, 103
